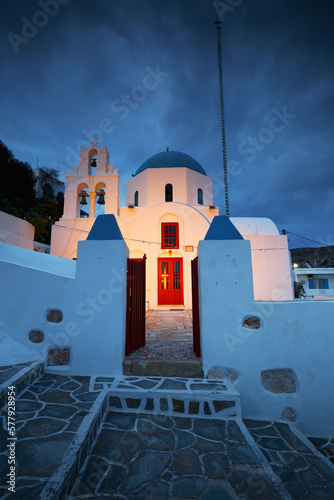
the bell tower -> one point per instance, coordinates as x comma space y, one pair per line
92, 188
93, 180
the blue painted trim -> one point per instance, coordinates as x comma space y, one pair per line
221, 228
104, 228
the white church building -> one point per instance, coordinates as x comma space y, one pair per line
169, 209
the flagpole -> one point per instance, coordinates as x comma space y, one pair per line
222, 117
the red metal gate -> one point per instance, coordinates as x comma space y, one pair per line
195, 298
135, 305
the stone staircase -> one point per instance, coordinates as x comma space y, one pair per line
136, 437
21, 376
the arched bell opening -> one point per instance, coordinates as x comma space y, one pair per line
92, 162
83, 201
100, 199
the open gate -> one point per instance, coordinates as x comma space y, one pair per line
135, 305
195, 299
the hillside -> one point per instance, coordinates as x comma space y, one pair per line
316, 257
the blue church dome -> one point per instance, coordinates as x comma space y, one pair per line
171, 159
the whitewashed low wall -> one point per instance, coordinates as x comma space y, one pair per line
90, 293
15, 231
296, 336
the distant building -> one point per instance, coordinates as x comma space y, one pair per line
47, 184
317, 281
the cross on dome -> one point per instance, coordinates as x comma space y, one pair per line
95, 142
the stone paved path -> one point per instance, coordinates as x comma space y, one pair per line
72, 443
169, 335
140, 457
47, 416
169, 325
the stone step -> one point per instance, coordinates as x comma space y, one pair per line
325, 446
56, 421
304, 471
204, 398
21, 376
63, 479
163, 368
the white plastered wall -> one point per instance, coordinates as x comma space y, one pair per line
15, 231
270, 258
91, 293
296, 335
151, 183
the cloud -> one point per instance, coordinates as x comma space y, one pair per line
64, 79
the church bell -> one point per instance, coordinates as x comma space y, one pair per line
93, 163
83, 195
100, 200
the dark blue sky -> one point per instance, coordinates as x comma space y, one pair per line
143, 74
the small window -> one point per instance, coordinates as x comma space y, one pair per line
200, 196
170, 235
168, 192
136, 199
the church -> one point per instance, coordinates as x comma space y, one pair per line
169, 209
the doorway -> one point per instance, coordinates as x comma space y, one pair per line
170, 281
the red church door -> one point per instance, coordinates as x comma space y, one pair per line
170, 281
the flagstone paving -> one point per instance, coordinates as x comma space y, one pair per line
169, 325
139, 457
75, 441
325, 446
142, 457
292, 459
47, 416
169, 335
172, 396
